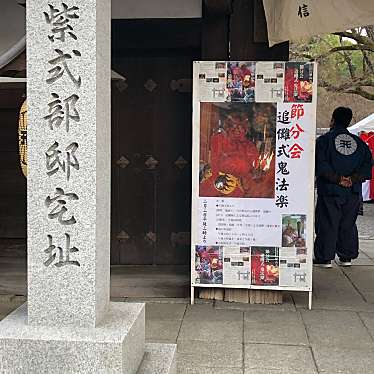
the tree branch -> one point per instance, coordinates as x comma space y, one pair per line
361, 92
370, 32
358, 38
369, 82
348, 60
368, 62
356, 87
355, 47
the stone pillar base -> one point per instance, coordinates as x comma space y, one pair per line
116, 346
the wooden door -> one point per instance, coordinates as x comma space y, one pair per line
151, 153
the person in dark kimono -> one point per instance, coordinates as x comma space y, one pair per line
343, 162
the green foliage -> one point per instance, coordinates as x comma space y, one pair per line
345, 64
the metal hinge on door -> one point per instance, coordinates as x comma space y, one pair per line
122, 236
150, 85
181, 162
151, 236
122, 162
151, 163
181, 85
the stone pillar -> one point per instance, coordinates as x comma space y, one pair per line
68, 325
68, 92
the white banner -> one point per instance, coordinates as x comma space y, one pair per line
293, 19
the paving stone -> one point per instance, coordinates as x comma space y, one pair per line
205, 354
362, 260
162, 331
158, 300
368, 296
274, 327
13, 277
139, 282
135, 291
164, 311
188, 369
159, 359
208, 312
367, 243
13, 299
203, 301
336, 328
334, 360
369, 253
278, 359
334, 291
200, 308
117, 299
368, 320
8, 303
365, 222
362, 277
211, 331
367, 246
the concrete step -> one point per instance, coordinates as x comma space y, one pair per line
159, 359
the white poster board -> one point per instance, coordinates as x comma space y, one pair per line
254, 128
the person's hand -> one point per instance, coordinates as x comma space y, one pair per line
345, 182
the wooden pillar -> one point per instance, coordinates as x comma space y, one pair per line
236, 30
248, 34
215, 30
215, 46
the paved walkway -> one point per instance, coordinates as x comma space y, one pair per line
337, 336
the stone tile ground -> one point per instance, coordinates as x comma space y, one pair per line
337, 336
365, 223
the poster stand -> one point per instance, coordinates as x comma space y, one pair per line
254, 128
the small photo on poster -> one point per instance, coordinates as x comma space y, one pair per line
237, 147
298, 82
208, 264
212, 81
293, 267
294, 230
236, 267
269, 85
241, 81
265, 266
220, 65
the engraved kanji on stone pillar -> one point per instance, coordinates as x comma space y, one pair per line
69, 162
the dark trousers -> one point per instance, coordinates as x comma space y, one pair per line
336, 228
